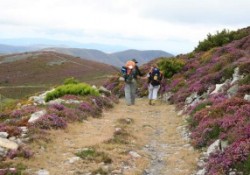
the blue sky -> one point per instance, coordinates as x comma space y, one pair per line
175, 26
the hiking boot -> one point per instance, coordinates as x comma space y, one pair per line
150, 102
153, 102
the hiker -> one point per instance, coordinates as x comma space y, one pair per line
132, 71
154, 81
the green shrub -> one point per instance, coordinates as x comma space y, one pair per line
74, 89
71, 80
170, 66
219, 39
228, 72
245, 80
93, 155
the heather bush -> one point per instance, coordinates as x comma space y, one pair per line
102, 102
20, 152
73, 89
11, 130
90, 109
24, 111
49, 121
69, 114
234, 156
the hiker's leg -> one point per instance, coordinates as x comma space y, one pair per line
155, 92
127, 90
150, 93
133, 92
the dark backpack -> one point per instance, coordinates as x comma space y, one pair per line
128, 74
155, 76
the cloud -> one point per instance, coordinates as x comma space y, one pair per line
141, 24
229, 12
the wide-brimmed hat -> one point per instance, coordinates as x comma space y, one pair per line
134, 60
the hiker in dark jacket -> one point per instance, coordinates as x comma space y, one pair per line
154, 81
130, 85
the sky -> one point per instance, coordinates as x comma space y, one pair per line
175, 26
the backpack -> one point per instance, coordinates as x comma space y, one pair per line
156, 76
128, 71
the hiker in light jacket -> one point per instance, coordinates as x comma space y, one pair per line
130, 82
154, 81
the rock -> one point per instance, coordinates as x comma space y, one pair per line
221, 87
236, 75
116, 172
74, 159
4, 134
180, 113
214, 147
41, 98
128, 120
247, 97
5, 143
3, 152
71, 101
24, 129
36, 116
104, 90
232, 91
201, 172
118, 131
191, 98
167, 96
56, 101
134, 154
223, 144
42, 172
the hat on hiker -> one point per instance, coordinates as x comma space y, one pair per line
134, 60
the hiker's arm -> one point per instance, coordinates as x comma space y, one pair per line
138, 71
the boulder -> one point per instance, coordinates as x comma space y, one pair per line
236, 75
104, 90
221, 87
213, 147
191, 98
232, 91
5, 143
36, 116
41, 98
247, 97
4, 134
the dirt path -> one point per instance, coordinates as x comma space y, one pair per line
155, 136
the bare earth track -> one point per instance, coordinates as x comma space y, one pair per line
156, 137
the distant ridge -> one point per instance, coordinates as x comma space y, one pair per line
116, 59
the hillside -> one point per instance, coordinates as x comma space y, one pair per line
212, 86
44, 69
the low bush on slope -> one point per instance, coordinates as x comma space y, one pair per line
71, 107
215, 113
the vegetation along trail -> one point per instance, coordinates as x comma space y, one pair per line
129, 140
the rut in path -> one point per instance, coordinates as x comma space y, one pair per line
157, 136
